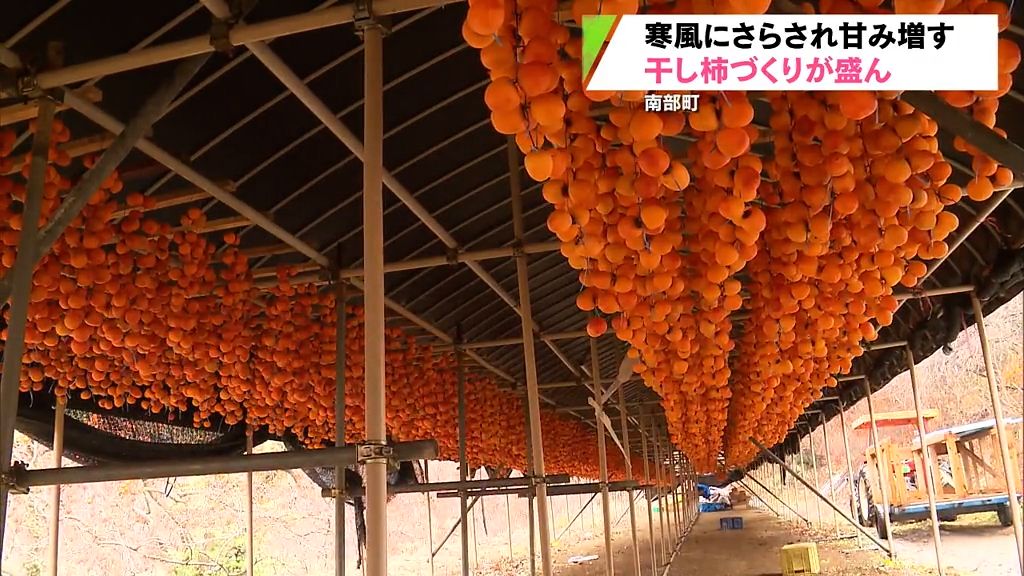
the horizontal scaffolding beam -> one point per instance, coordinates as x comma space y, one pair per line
521, 482
546, 337
403, 265
885, 345
28, 111
340, 456
559, 490
74, 149
934, 292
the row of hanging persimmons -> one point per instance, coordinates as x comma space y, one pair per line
126, 311
851, 206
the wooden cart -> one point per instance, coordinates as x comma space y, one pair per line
966, 469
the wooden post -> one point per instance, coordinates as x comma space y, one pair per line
1009, 473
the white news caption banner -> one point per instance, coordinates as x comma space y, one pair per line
966, 60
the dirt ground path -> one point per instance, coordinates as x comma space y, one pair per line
709, 551
755, 550
974, 546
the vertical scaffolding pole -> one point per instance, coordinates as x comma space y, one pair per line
650, 513
676, 488
1009, 474
926, 460
21, 286
814, 467
430, 517
531, 496
629, 476
250, 548
463, 465
660, 491
883, 473
602, 460
849, 460
58, 458
508, 519
340, 334
532, 390
373, 298
476, 547
831, 476
684, 489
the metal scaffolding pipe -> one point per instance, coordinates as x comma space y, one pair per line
21, 287
460, 256
521, 483
58, 458
629, 476
250, 547
164, 157
926, 461
758, 496
237, 36
460, 385
576, 517
661, 490
816, 493
848, 456
1009, 474
882, 477
602, 459
530, 360
373, 297
340, 334
948, 290
588, 488
828, 465
650, 513
458, 523
212, 465
776, 496
430, 516
547, 337
123, 144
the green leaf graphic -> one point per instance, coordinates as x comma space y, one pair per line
595, 34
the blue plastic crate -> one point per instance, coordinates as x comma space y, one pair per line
731, 523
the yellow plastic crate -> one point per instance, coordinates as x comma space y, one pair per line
800, 559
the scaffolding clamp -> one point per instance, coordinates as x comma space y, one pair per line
220, 35
363, 18
371, 452
451, 255
9, 479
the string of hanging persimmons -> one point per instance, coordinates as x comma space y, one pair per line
851, 205
127, 310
